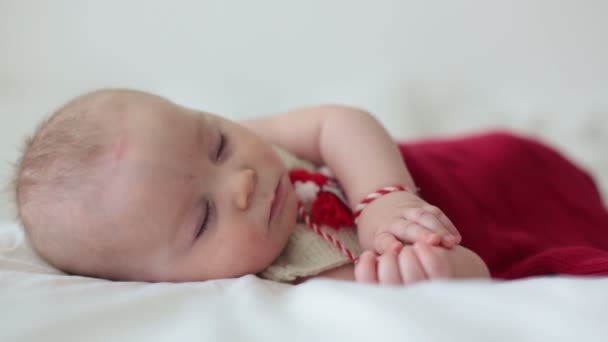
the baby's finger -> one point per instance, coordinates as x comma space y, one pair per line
432, 218
365, 268
435, 266
447, 224
451, 227
410, 231
410, 267
385, 241
435, 225
388, 269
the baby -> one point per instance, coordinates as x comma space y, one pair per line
126, 185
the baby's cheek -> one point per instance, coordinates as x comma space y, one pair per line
265, 248
252, 238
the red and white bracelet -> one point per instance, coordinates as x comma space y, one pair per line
374, 196
367, 200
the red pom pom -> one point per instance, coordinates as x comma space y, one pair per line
329, 210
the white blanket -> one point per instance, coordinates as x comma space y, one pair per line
38, 303
423, 67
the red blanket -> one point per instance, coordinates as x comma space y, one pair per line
523, 207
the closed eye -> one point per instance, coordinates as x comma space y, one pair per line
221, 146
206, 219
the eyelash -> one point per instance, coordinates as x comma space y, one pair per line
208, 205
203, 225
221, 147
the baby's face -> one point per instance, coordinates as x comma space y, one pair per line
193, 196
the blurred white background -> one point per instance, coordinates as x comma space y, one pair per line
422, 67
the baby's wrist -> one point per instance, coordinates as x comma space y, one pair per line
367, 217
371, 197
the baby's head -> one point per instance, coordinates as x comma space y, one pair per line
126, 185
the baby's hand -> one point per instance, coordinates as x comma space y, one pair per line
413, 263
402, 217
419, 262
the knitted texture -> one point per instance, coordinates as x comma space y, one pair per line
306, 253
523, 207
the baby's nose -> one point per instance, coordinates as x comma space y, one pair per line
245, 183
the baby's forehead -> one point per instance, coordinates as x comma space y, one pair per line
124, 116
118, 105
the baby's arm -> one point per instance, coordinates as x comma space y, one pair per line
350, 141
364, 158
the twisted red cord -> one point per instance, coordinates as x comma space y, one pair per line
368, 199
373, 196
323, 234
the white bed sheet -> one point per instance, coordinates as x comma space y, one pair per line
38, 303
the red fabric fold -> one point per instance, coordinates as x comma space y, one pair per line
522, 206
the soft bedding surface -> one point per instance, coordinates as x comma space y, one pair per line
37, 303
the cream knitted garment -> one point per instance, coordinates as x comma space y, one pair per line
306, 253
